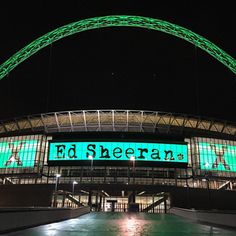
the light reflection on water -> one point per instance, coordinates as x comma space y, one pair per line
125, 224
132, 225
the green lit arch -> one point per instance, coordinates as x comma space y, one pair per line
117, 20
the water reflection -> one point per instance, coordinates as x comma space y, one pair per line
132, 224
125, 224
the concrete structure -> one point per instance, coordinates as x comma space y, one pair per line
216, 217
19, 218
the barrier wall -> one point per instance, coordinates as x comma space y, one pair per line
19, 218
202, 199
26, 195
223, 218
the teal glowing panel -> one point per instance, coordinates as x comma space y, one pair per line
117, 151
219, 157
18, 154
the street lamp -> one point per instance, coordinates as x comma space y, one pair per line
90, 157
132, 158
57, 178
73, 187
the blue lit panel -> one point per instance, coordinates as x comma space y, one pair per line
18, 154
219, 157
117, 151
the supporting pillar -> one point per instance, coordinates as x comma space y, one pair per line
96, 201
153, 203
165, 206
100, 203
103, 203
63, 200
90, 199
131, 202
55, 200
131, 198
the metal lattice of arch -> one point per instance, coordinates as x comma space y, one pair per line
117, 20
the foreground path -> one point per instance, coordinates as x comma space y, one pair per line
125, 224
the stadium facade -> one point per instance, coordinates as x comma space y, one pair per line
111, 159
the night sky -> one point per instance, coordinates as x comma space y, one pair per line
118, 68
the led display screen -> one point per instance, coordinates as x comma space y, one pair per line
117, 151
219, 157
18, 154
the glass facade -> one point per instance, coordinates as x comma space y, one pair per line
211, 164
214, 157
22, 154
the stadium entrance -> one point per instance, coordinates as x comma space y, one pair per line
128, 201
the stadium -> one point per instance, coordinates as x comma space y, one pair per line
145, 159
115, 160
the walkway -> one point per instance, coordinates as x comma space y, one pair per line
125, 224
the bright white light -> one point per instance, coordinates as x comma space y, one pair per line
131, 226
141, 193
207, 164
106, 193
75, 182
84, 191
132, 158
58, 175
90, 157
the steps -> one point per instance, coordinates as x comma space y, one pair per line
163, 198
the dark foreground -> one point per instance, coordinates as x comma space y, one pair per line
125, 224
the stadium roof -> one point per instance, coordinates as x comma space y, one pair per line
116, 121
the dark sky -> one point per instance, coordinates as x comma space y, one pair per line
118, 68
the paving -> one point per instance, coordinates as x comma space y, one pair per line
125, 224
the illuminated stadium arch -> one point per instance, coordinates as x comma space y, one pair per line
112, 21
